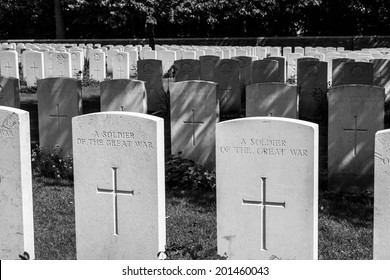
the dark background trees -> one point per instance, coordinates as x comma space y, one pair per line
74, 19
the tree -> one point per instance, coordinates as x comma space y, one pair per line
59, 20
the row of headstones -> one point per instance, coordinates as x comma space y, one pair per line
122, 62
355, 113
234, 74
119, 187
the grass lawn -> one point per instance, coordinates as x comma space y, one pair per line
345, 221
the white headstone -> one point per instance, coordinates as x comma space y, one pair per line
382, 196
9, 66
33, 67
168, 58
97, 66
121, 66
267, 189
119, 186
77, 64
61, 65
16, 203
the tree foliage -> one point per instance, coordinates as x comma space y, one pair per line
194, 18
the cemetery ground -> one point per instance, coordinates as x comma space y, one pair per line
345, 220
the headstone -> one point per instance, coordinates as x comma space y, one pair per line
194, 114
282, 67
61, 65
312, 80
167, 58
207, 67
241, 52
299, 50
382, 196
16, 202
188, 55
356, 113
123, 95
226, 53
245, 63
133, 58
286, 52
111, 55
97, 66
33, 67
227, 75
292, 65
329, 60
149, 54
261, 52
48, 62
264, 71
9, 66
187, 69
361, 73
272, 99
119, 186
338, 70
9, 92
150, 71
275, 51
199, 53
267, 189
59, 99
77, 64
121, 66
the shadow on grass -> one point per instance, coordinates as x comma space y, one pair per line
345, 226
357, 209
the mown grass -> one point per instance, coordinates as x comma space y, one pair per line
345, 221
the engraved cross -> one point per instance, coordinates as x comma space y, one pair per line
355, 130
58, 116
194, 123
115, 192
8, 67
34, 67
120, 70
263, 204
97, 72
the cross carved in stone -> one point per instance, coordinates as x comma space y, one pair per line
263, 204
34, 67
8, 67
120, 70
355, 131
194, 123
115, 192
58, 116
97, 70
